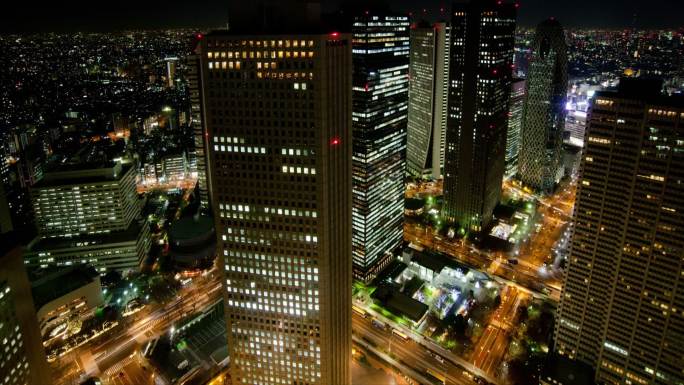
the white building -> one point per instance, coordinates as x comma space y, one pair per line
85, 201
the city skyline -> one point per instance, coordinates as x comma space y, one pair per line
342, 192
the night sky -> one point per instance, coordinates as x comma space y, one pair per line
79, 15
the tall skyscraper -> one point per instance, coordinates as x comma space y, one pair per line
622, 305
427, 111
5, 213
515, 110
23, 356
278, 117
200, 137
380, 94
480, 84
541, 158
171, 71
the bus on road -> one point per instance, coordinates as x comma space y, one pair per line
400, 334
436, 376
359, 311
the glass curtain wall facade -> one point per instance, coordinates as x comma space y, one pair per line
514, 125
380, 108
541, 158
200, 150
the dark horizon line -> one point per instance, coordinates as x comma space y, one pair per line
207, 29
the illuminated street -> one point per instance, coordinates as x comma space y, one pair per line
409, 353
534, 260
156, 321
491, 347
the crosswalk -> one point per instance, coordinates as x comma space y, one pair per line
116, 368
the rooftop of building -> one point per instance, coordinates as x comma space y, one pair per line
191, 227
432, 261
400, 303
299, 17
273, 17
413, 204
648, 90
84, 174
48, 285
128, 235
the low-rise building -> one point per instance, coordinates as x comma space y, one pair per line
121, 251
174, 167
63, 297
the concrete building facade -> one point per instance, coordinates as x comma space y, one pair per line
428, 91
622, 301
277, 109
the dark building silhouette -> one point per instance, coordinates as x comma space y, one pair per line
480, 82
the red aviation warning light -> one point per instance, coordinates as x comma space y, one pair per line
335, 141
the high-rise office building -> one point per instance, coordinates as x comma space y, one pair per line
85, 200
23, 355
380, 94
5, 213
278, 116
6, 220
199, 132
622, 305
575, 124
515, 110
15, 207
427, 111
482, 37
171, 63
89, 214
541, 160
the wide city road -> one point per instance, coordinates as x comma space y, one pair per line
491, 347
98, 357
409, 353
